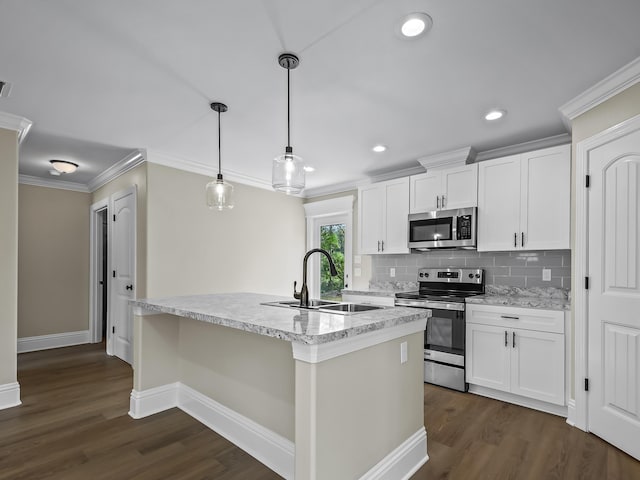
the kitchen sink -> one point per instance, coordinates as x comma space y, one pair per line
326, 306
347, 308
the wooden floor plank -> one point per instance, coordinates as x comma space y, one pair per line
74, 425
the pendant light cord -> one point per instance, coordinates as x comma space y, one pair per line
288, 108
219, 148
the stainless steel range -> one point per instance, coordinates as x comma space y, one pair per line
444, 290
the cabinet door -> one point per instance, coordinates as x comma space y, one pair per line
425, 191
545, 207
487, 357
460, 187
499, 204
537, 365
396, 222
370, 216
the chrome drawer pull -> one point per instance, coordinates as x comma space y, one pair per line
510, 317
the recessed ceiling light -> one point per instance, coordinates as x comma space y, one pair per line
415, 24
379, 148
495, 114
309, 169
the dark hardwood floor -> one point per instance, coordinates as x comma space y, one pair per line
73, 424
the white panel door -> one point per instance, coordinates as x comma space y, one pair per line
499, 204
487, 356
545, 207
123, 273
396, 216
460, 187
537, 365
370, 215
426, 190
614, 294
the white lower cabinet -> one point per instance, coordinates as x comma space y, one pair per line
503, 356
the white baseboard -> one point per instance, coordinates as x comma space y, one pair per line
55, 340
571, 412
273, 450
9, 395
153, 400
519, 400
402, 462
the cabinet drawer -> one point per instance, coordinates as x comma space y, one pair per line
551, 321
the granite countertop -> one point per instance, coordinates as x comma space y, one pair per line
244, 311
548, 298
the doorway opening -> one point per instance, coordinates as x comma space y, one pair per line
99, 285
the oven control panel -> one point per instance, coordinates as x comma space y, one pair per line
451, 275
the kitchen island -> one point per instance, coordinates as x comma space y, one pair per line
311, 394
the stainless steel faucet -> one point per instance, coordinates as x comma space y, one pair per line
303, 295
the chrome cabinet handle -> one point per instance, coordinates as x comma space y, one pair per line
382, 245
378, 245
506, 339
515, 240
438, 201
513, 337
443, 198
522, 237
511, 317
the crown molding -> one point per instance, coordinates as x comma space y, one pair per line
547, 142
16, 123
602, 91
453, 158
129, 162
59, 184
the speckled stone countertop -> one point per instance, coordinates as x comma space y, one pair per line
535, 297
384, 289
244, 311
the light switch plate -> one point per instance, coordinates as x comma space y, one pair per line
357, 259
392, 272
357, 272
546, 274
403, 352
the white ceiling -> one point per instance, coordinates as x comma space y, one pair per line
100, 79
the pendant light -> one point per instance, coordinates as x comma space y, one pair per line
219, 193
288, 170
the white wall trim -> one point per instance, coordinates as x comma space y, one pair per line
403, 461
54, 340
452, 158
602, 91
326, 351
153, 400
9, 395
571, 412
580, 295
333, 206
129, 162
519, 400
59, 184
16, 123
273, 450
542, 143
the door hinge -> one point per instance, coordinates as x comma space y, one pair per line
586, 283
114, 274
587, 181
114, 217
113, 329
586, 384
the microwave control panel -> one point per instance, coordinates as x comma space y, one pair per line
464, 227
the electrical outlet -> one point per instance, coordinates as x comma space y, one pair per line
392, 272
403, 352
546, 274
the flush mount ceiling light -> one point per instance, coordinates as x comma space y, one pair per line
379, 148
288, 173
415, 25
219, 193
63, 166
495, 114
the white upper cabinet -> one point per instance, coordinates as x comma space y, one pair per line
383, 210
523, 201
445, 188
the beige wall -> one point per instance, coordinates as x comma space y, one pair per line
8, 254
53, 261
257, 246
138, 177
617, 109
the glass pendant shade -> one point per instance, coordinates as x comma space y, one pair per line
219, 194
288, 174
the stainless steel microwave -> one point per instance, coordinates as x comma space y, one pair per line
443, 229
